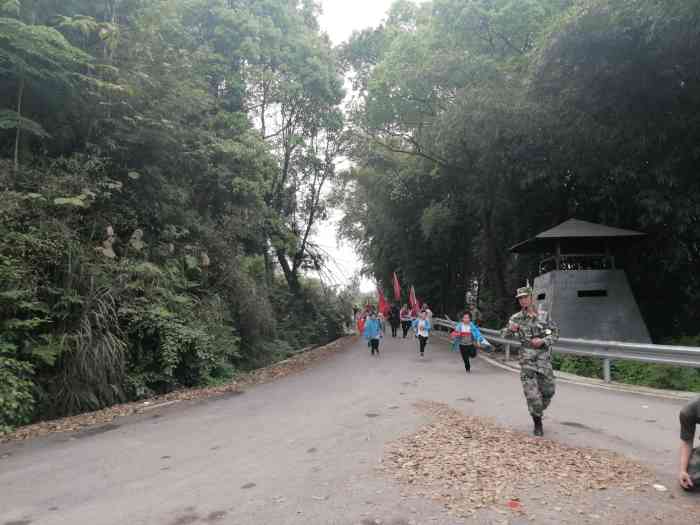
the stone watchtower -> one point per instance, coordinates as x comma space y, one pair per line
579, 284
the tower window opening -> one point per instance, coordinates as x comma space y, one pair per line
592, 293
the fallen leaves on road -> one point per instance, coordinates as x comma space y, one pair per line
294, 364
469, 463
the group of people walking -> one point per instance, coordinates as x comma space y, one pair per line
532, 326
372, 325
536, 331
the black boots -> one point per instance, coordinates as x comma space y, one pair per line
538, 426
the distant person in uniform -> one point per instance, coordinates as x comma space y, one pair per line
422, 330
406, 319
394, 319
689, 477
467, 337
373, 332
537, 333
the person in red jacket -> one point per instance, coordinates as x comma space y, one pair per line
468, 338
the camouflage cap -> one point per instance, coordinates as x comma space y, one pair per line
522, 292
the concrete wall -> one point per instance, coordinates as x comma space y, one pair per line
614, 316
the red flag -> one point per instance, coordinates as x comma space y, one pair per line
397, 288
382, 305
415, 304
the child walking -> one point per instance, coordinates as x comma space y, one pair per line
421, 326
468, 338
373, 332
406, 320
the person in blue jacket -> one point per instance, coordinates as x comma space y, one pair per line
468, 338
373, 332
421, 327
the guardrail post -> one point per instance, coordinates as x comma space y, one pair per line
685, 356
606, 370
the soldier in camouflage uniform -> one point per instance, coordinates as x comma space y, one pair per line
536, 333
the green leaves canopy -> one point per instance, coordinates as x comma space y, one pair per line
481, 123
39, 52
144, 233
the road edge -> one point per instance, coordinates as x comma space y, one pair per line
600, 384
238, 385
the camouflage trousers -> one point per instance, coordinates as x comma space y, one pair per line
694, 469
538, 387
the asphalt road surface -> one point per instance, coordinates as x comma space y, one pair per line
304, 449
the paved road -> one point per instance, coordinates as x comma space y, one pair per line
303, 449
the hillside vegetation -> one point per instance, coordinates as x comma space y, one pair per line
164, 164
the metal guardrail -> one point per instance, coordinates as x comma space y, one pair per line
687, 356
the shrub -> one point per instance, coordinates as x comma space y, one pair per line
16, 399
579, 365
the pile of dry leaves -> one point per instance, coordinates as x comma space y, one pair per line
468, 463
292, 365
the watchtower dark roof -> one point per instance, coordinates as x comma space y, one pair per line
573, 229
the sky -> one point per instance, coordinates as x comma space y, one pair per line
339, 19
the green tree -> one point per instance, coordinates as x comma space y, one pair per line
134, 237
33, 57
494, 120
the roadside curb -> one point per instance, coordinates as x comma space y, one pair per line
600, 384
590, 382
237, 385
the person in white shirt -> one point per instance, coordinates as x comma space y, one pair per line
425, 308
421, 327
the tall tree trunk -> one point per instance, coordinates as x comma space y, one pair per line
269, 271
496, 263
291, 275
18, 134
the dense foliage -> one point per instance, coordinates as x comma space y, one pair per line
162, 167
480, 123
